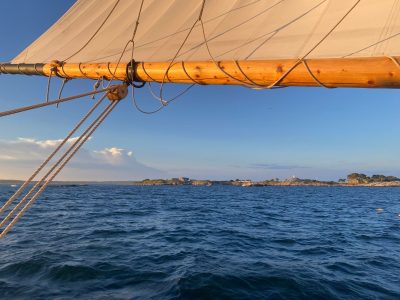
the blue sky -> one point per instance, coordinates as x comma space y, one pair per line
211, 132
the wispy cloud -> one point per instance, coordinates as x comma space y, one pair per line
19, 157
269, 166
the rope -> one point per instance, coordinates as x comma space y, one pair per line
285, 74
188, 75
95, 33
131, 79
163, 101
25, 184
315, 46
34, 106
96, 85
132, 40
217, 64
65, 80
64, 159
46, 175
314, 77
48, 84
236, 26
395, 61
181, 30
371, 45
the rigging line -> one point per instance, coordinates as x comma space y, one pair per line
314, 77
65, 80
141, 110
182, 30
116, 67
53, 167
95, 33
83, 73
234, 27
48, 84
43, 104
97, 85
96, 124
394, 60
164, 102
123, 51
283, 76
216, 63
313, 29
133, 40
365, 48
171, 99
188, 75
275, 83
26, 183
274, 31
162, 106
131, 79
254, 84
392, 27
385, 29
285, 26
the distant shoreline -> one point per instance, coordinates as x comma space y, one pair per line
295, 182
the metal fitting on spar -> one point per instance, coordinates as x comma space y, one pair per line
118, 93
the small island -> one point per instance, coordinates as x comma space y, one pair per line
353, 179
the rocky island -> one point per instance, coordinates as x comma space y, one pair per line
353, 179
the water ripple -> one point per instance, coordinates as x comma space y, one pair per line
126, 242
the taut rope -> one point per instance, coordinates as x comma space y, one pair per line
115, 93
43, 104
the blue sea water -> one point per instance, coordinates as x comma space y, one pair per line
219, 242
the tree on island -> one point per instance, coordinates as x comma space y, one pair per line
359, 178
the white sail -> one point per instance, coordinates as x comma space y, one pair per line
98, 30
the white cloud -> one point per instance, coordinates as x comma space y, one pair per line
113, 152
44, 143
7, 157
20, 157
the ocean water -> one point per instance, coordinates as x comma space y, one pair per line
126, 242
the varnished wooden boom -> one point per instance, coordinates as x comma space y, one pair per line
378, 72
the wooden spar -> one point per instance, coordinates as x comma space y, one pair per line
377, 72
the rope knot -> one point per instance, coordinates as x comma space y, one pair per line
118, 92
54, 64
